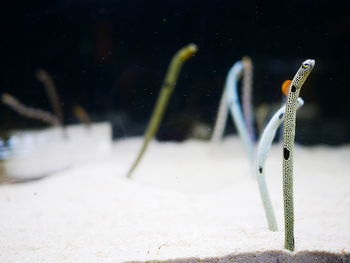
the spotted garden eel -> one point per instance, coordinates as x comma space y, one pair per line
264, 146
288, 148
230, 101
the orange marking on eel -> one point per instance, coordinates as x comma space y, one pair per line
286, 86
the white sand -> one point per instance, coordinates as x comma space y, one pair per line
25, 157
185, 200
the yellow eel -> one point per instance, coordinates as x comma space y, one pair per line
165, 92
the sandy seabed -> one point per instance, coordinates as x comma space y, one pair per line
185, 200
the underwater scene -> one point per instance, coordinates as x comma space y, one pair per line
175, 131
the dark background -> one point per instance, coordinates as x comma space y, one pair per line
111, 56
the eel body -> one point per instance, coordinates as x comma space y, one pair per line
288, 149
264, 146
247, 100
166, 90
234, 105
229, 101
29, 112
221, 119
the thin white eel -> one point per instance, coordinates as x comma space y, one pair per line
264, 146
221, 119
230, 102
234, 105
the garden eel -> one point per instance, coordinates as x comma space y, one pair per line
247, 96
165, 92
51, 91
221, 119
288, 148
28, 112
264, 146
230, 101
81, 114
235, 107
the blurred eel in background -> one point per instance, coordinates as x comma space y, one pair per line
167, 89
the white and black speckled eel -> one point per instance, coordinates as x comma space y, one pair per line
288, 148
264, 146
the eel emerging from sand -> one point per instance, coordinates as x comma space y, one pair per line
230, 101
264, 146
28, 112
51, 91
221, 119
247, 96
235, 107
166, 90
288, 148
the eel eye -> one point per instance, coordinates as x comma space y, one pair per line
305, 65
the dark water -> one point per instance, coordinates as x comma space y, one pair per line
111, 56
